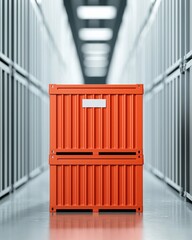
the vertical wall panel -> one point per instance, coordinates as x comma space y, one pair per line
188, 131
158, 161
6, 110
174, 130
147, 130
20, 34
36, 160
20, 130
36, 48
6, 29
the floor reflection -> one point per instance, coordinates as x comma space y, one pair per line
96, 226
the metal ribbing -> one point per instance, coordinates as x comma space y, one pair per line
101, 124
124, 123
69, 121
85, 186
125, 183
57, 121
77, 127
134, 119
93, 125
101, 185
63, 121
96, 128
96, 185
108, 123
112, 121
85, 125
73, 121
131, 127
62, 185
116, 125
93, 184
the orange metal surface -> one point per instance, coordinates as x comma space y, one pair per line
96, 152
78, 160
97, 185
118, 126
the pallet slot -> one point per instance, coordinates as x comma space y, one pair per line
74, 153
118, 153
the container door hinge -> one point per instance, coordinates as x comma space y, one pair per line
183, 67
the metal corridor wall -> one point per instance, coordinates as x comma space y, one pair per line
34, 51
156, 43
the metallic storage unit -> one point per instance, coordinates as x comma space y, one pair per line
96, 184
114, 124
31, 56
20, 126
6, 114
6, 30
158, 53
188, 130
96, 147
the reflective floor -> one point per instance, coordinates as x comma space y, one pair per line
25, 215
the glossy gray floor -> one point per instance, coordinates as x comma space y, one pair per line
25, 215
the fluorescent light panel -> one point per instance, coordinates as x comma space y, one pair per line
95, 72
95, 48
95, 34
96, 63
96, 12
95, 57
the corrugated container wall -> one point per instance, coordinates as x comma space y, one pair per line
157, 50
34, 51
96, 147
117, 126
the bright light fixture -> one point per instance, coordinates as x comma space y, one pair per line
96, 63
95, 48
95, 57
95, 72
95, 34
96, 12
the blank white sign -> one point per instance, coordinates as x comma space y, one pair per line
94, 103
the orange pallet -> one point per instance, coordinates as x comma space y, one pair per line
96, 184
88, 117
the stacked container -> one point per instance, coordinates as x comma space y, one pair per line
96, 147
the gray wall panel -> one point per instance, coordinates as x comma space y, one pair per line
160, 57
5, 29
36, 160
5, 129
33, 53
20, 127
188, 130
174, 130
190, 142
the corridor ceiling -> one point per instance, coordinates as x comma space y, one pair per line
95, 25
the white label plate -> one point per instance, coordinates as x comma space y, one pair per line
93, 103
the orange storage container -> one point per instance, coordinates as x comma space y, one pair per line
88, 117
96, 184
96, 147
